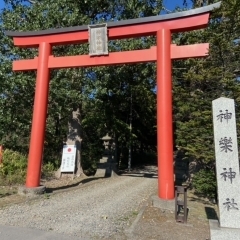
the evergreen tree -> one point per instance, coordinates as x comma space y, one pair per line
101, 96
198, 82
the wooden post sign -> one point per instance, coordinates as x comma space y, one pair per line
68, 158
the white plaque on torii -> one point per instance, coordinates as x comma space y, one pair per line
98, 39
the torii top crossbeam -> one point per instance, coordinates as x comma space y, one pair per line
161, 26
176, 22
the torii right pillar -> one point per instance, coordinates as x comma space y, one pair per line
164, 115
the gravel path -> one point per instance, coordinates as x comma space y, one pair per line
99, 210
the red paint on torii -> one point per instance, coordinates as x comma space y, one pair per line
188, 23
137, 56
163, 53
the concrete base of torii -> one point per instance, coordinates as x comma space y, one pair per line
31, 192
163, 204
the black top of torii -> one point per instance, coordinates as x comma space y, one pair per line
129, 22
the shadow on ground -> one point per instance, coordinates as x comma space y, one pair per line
144, 175
71, 186
6, 191
211, 213
5, 194
146, 171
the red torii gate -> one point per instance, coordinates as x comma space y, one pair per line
161, 26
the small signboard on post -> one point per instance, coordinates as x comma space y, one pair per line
68, 158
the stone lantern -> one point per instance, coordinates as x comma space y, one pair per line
107, 143
107, 164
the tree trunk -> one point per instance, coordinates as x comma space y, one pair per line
74, 137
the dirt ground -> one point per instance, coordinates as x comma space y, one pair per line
151, 223
159, 224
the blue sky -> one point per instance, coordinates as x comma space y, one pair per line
170, 4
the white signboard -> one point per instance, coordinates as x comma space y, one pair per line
68, 158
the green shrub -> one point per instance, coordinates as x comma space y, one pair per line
48, 169
204, 183
13, 168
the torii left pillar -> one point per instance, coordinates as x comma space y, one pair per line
39, 116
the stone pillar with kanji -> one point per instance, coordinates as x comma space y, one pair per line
227, 169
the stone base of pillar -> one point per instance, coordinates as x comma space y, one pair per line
31, 192
219, 233
163, 204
